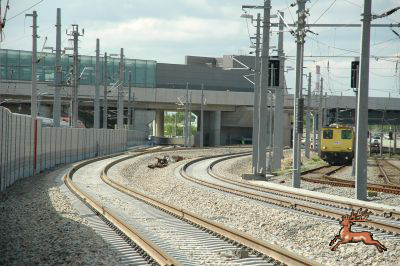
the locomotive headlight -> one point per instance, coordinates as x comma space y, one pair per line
350, 148
324, 148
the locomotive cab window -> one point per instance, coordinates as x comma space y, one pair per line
347, 134
328, 134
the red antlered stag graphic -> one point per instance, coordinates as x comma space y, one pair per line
347, 236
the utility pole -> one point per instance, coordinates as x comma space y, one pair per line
75, 74
262, 165
105, 80
308, 118
190, 120
202, 117
34, 64
120, 114
96, 123
185, 128
320, 115
256, 109
300, 35
362, 108
353, 168
279, 100
58, 73
129, 100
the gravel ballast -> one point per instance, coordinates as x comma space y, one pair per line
235, 168
39, 226
301, 234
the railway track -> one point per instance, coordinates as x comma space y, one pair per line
192, 230
387, 220
324, 177
390, 172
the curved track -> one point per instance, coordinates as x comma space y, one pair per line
387, 220
173, 233
325, 178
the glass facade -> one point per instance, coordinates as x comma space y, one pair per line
17, 65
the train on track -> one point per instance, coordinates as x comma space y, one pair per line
337, 144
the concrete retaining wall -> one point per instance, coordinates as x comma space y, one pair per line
27, 148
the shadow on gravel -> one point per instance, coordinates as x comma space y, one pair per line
38, 226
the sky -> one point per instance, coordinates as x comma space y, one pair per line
166, 31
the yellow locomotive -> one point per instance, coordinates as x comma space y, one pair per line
337, 144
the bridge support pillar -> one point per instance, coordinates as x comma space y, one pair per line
159, 123
216, 128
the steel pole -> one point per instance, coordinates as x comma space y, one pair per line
320, 115
256, 105
58, 73
34, 64
129, 99
262, 160
299, 87
279, 100
105, 80
185, 128
190, 120
75, 102
96, 123
308, 118
202, 117
362, 108
120, 112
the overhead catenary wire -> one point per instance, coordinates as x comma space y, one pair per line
326, 10
22, 12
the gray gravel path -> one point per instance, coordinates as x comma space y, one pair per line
38, 226
301, 234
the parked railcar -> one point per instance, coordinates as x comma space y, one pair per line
337, 144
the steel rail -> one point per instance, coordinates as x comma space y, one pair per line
235, 236
292, 200
154, 252
384, 171
314, 199
338, 182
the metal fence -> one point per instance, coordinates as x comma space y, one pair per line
27, 148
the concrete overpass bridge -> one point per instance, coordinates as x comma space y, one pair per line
228, 112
